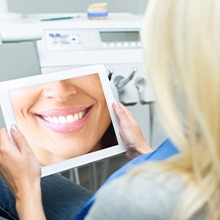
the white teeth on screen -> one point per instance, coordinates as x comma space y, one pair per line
65, 119
56, 120
70, 118
62, 120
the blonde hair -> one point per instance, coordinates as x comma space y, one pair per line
181, 39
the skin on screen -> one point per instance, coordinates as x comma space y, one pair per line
62, 119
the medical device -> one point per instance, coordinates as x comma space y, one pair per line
68, 41
77, 41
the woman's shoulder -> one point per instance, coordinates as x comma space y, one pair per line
147, 194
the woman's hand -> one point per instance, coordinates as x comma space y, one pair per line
130, 132
21, 171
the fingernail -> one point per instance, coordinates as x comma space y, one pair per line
116, 103
14, 128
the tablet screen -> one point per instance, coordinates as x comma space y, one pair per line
66, 120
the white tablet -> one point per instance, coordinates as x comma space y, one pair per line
66, 116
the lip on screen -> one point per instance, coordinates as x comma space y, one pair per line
57, 120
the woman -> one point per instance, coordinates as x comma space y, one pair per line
63, 119
181, 41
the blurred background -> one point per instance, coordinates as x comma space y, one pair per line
22, 59
59, 6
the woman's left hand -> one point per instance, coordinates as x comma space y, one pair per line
22, 173
18, 166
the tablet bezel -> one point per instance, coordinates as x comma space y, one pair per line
9, 117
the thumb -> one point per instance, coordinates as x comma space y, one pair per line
19, 139
123, 118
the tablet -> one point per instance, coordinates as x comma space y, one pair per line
66, 116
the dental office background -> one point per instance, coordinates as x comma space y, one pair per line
20, 59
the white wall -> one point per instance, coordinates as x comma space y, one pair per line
50, 6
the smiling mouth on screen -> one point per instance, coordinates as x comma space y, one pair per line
65, 120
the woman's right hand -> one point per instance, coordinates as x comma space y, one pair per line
130, 132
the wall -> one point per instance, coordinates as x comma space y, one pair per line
56, 6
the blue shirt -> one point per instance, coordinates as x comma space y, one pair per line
164, 151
